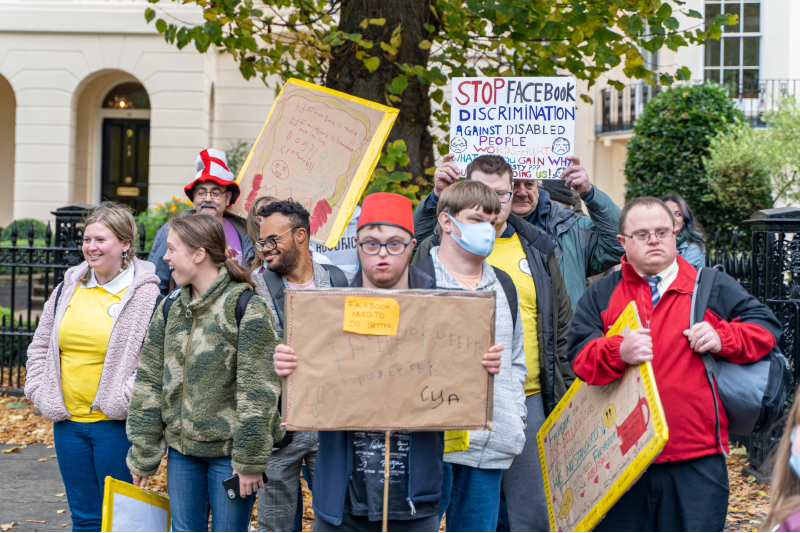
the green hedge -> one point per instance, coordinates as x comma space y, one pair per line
666, 152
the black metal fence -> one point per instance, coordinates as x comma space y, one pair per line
28, 274
621, 108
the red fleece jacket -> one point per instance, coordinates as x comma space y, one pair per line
748, 331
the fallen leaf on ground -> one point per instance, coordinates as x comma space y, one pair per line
14, 449
37, 521
59, 495
63, 525
43, 460
61, 511
6, 527
53, 456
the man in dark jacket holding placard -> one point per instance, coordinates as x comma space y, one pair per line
348, 483
686, 489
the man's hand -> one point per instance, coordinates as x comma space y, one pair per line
140, 482
637, 347
491, 359
576, 176
703, 338
249, 483
284, 360
445, 175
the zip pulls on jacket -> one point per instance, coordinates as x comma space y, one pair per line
189, 314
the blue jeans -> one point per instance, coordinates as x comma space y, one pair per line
471, 497
87, 453
194, 485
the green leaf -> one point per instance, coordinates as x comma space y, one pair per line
149, 14
161, 25
714, 32
398, 85
377, 22
694, 14
372, 64
671, 23
664, 11
425, 45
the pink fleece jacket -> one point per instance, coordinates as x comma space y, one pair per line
43, 381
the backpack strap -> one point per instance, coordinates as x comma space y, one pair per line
511, 292
168, 304
426, 265
338, 279
241, 306
275, 286
159, 299
700, 296
58, 297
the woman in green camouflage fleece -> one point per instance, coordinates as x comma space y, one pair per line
205, 387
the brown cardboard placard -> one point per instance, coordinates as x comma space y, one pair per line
428, 376
319, 147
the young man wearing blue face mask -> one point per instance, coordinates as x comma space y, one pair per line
529, 257
472, 477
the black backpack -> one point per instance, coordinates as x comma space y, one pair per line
753, 394
241, 304
275, 285
426, 265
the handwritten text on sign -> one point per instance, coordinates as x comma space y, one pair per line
596, 443
528, 121
427, 375
371, 316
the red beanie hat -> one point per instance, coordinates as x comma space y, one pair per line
388, 209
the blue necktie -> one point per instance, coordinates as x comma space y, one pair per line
654, 294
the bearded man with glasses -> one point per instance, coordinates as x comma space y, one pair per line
212, 191
284, 238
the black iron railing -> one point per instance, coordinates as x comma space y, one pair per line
621, 109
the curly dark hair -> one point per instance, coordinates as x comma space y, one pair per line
297, 214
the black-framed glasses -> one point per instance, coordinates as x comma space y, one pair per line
504, 196
392, 248
202, 192
272, 242
642, 237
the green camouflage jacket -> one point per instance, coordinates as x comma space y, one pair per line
204, 387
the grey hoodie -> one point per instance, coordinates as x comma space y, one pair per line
497, 448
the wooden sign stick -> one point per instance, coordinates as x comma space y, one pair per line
386, 480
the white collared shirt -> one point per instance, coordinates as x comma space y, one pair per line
668, 275
116, 285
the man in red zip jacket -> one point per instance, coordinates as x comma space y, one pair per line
686, 489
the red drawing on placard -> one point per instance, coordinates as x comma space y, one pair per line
545, 439
634, 426
253, 192
596, 478
582, 493
280, 169
608, 465
320, 215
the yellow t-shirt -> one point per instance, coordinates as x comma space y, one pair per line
83, 340
509, 256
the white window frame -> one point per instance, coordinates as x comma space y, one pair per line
721, 67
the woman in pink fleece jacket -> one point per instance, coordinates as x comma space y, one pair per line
82, 361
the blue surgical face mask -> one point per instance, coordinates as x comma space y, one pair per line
477, 238
794, 460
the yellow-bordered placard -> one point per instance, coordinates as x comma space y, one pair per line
368, 161
115, 486
591, 442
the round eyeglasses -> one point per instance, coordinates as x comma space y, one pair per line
392, 248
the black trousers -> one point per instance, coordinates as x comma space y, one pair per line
681, 496
362, 523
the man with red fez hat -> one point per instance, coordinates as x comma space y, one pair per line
214, 189
350, 498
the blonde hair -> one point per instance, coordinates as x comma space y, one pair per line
206, 232
254, 228
785, 483
119, 219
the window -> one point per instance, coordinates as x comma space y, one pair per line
734, 60
127, 96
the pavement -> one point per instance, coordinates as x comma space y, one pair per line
32, 490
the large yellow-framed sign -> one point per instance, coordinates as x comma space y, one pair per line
318, 147
598, 441
129, 508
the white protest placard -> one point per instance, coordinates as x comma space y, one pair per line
528, 121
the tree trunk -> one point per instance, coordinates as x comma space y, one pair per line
348, 74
